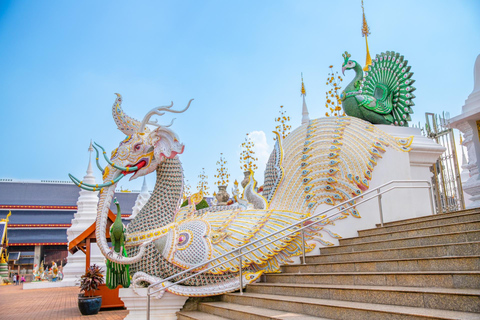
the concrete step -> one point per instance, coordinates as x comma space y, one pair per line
234, 311
415, 241
442, 250
336, 309
433, 217
433, 221
451, 228
437, 279
466, 300
415, 264
197, 315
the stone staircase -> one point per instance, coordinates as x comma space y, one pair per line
421, 268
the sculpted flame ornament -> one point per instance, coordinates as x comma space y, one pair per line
328, 161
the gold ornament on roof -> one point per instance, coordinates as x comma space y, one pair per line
365, 33
203, 183
6, 218
247, 157
222, 172
186, 190
333, 103
283, 128
304, 93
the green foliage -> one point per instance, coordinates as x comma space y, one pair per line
91, 280
201, 205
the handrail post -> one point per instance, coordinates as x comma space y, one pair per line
240, 271
431, 198
380, 206
148, 302
303, 245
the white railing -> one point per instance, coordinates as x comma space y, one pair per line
296, 227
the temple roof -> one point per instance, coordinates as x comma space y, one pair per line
24, 261
31, 236
38, 217
13, 256
62, 196
37, 193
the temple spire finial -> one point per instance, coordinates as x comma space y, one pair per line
89, 168
305, 117
365, 33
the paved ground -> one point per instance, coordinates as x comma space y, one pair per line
51, 304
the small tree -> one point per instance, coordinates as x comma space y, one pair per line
283, 128
333, 103
247, 157
222, 172
203, 183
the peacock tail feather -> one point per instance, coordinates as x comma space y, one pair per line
389, 81
118, 274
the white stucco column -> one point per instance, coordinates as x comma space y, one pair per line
466, 122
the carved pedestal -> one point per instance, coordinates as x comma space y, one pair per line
164, 308
222, 195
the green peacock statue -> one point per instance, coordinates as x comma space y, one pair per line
384, 95
118, 274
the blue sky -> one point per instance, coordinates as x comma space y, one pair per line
62, 61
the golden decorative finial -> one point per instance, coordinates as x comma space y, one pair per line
304, 93
6, 218
247, 157
365, 33
222, 172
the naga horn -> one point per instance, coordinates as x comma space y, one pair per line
80, 185
97, 159
127, 169
96, 186
126, 124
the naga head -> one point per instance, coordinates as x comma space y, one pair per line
347, 63
142, 151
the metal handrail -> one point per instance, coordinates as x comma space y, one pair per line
296, 230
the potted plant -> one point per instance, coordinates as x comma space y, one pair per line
90, 281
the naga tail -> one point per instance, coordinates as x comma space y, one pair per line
118, 274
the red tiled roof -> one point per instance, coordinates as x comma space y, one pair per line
13, 207
39, 243
56, 225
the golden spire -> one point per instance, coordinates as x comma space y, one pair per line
365, 33
304, 93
